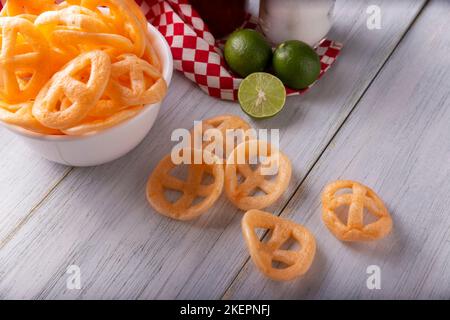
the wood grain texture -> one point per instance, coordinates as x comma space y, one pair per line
98, 218
397, 141
24, 180
309, 126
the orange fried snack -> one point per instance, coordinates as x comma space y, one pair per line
117, 13
133, 82
150, 54
23, 70
20, 115
76, 29
264, 254
100, 124
222, 124
87, 65
359, 199
72, 18
73, 42
27, 16
72, 92
242, 194
34, 7
136, 10
193, 188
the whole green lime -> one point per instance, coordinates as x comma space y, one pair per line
296, 64
247, 51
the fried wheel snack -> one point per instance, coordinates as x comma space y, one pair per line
73, 42
136, 10
221, 124
72, 92
17, 7
150, 54
20, 115
99, 124
264, 254
133, 82
242, 194
193, 188
122, 17
76, 29
72, 18
27, 16
59, 54
361, 198
23, 70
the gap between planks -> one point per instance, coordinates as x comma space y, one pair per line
29, 215
226, 292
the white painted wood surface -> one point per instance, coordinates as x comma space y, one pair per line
397, 141
98, 218
24, 181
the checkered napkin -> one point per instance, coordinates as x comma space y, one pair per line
199, 56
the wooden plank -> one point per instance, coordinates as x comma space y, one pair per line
98, 218
25, 179
396, 141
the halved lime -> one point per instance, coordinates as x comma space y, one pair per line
262, 95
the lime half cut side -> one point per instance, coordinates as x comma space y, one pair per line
262, 95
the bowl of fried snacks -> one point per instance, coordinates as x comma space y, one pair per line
82, 81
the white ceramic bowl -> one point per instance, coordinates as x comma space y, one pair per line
104, 146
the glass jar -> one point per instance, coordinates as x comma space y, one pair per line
305, 20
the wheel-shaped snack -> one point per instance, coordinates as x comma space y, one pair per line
20, 115
72, 92
360, 198
34, 7
192, 189
136, 10
119, 14
91, 125
72, 18
150, 54
133, 82
59, 55
218, 127
276, 164
23, 66
76, 29
264, 254
74, 42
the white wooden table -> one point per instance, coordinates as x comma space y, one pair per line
380, 116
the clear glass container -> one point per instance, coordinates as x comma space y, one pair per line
305, 20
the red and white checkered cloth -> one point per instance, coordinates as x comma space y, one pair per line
199, 56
